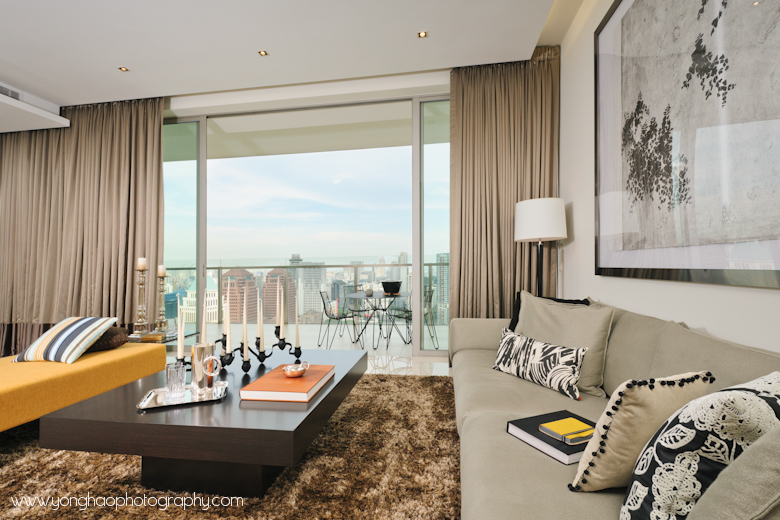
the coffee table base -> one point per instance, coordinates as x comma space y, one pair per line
230, 479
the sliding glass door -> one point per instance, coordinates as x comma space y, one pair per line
297, 209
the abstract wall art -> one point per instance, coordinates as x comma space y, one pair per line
688, 141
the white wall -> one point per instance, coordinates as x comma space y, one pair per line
743, 315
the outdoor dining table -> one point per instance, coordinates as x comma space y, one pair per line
377, 302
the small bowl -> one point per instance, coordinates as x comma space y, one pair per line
391, 287
296, 370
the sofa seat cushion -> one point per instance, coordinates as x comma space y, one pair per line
479, 388
503, 477
31, 390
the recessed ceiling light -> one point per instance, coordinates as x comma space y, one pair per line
755, 3
422, 34
124, 69
262, 53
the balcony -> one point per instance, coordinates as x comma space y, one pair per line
299, 286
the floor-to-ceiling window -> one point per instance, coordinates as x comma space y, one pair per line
180, 173
435, 177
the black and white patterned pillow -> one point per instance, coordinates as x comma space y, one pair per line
695, 444
548, 365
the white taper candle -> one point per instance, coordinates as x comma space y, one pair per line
244, 338
297, 332
281, 326
180, 323
228, 346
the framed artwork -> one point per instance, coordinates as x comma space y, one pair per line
688, 141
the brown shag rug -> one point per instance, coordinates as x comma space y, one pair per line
391, 450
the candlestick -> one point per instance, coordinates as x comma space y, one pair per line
244, 341
141, 265
297, 332
161, 271
139, 327
228, 346
180, 323
162, 324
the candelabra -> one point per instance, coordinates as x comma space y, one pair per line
227, 357
162, 323
140, 325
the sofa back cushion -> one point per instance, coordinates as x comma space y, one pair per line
682, 350
573, 326
631, 348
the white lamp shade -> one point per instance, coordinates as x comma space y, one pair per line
540, 220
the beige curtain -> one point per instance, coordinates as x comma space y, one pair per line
78, 206
504, 149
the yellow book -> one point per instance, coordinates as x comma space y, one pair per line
569, 430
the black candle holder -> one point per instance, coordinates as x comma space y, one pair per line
261, 356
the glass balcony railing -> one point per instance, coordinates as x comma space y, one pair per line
300, 286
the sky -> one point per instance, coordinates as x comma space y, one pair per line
339, 205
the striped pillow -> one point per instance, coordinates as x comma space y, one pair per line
547, 365
67, 340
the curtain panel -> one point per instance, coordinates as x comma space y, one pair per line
504, 121
78, 205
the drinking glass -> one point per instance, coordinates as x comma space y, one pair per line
175, 374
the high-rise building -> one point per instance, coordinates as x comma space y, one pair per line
273, 281
240, 283
443, 288
403, 272
309, 281
336, 289
189, 303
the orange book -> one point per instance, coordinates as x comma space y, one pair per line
275, 386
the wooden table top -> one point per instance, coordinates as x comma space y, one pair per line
231, 430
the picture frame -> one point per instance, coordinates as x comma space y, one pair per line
687, 142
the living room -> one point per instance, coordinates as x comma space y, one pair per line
398, 192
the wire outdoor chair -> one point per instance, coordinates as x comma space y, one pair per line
334, 313
400, 310
429, 318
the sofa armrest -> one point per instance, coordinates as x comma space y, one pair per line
475, 334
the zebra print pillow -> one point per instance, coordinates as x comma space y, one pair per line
541, 363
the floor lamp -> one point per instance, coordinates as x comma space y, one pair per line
540, 220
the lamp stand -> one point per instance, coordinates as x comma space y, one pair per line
539, 269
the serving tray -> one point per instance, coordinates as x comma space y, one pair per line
158, 398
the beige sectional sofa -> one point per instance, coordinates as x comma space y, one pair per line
504, 478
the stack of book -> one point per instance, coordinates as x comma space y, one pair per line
561, 435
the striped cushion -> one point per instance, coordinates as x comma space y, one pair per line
67, 340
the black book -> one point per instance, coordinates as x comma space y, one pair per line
527, 430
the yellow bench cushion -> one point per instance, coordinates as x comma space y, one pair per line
32, 389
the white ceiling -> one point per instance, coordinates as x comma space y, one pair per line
69, 52
16, 116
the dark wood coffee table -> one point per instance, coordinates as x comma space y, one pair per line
230, 448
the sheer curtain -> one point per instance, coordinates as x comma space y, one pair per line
504, 149
77, 207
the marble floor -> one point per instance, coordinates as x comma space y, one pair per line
393, 358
